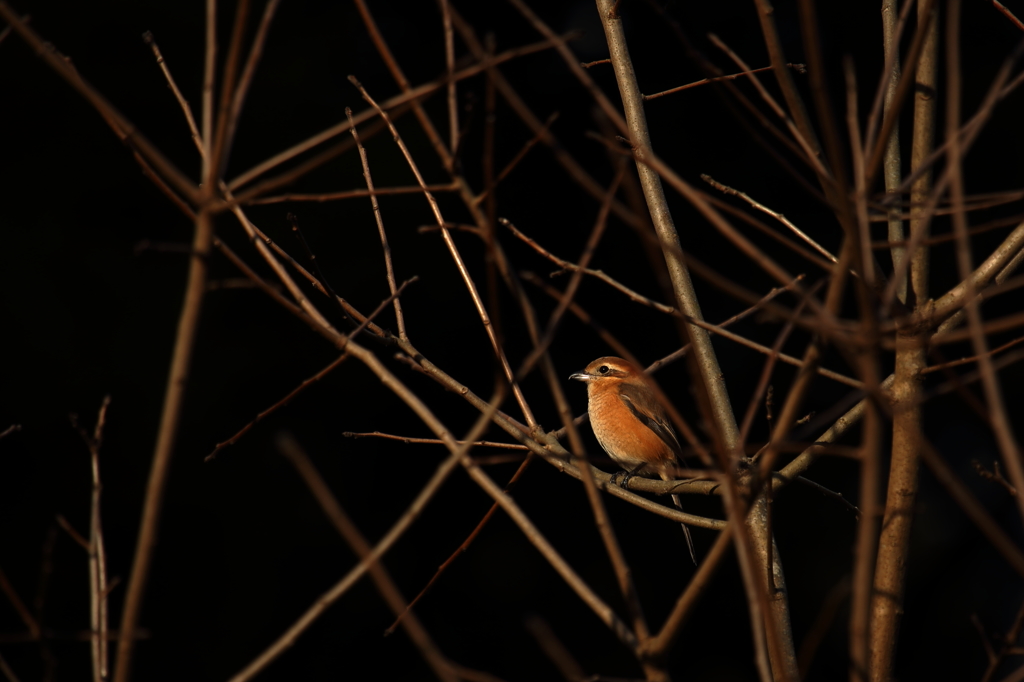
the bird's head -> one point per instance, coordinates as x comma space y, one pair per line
608, 369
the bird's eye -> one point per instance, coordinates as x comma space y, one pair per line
603, 369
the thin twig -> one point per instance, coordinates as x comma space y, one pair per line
349, 194
1008, 14
433, 441
461, 549
596, 233
98, 589
223, 136
799, 68
412, 95
460, 264
182, 102
388, 265
242, 88
520, 155
996, 475
1009, 642
566, 265
26, 616
775, 214
966, 361
276, 406
77, 537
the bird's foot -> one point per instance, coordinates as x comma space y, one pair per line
627, 476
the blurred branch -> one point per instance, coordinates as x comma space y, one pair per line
295, 454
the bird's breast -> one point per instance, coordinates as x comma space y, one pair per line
625, 438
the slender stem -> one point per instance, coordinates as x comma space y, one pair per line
388, 264
412, 95
636, 121
921, 147
97, 556
457, 257
891, 164
906, 394
168, 431
449, 60
255, 52
894, 541
209, 78
182, 102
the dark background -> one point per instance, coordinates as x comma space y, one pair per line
244, 549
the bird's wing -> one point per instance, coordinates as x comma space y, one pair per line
651, 414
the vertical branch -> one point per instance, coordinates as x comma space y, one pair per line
221, 145
866, 542
865, 547
894, 541
795, 103
754, 543
255, 52
97, 557
636, 121
925, 86
181, 361
389, 266
901, 497
1001, 425
209, 74
449, 60
891, 161
490, 197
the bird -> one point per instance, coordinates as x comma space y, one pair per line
630, 423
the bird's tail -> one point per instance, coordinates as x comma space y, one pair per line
686, 530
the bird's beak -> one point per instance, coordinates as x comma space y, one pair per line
581, 376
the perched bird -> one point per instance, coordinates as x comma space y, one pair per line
630, 423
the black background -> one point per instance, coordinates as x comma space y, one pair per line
243, 548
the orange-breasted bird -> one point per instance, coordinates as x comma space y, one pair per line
630, 423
